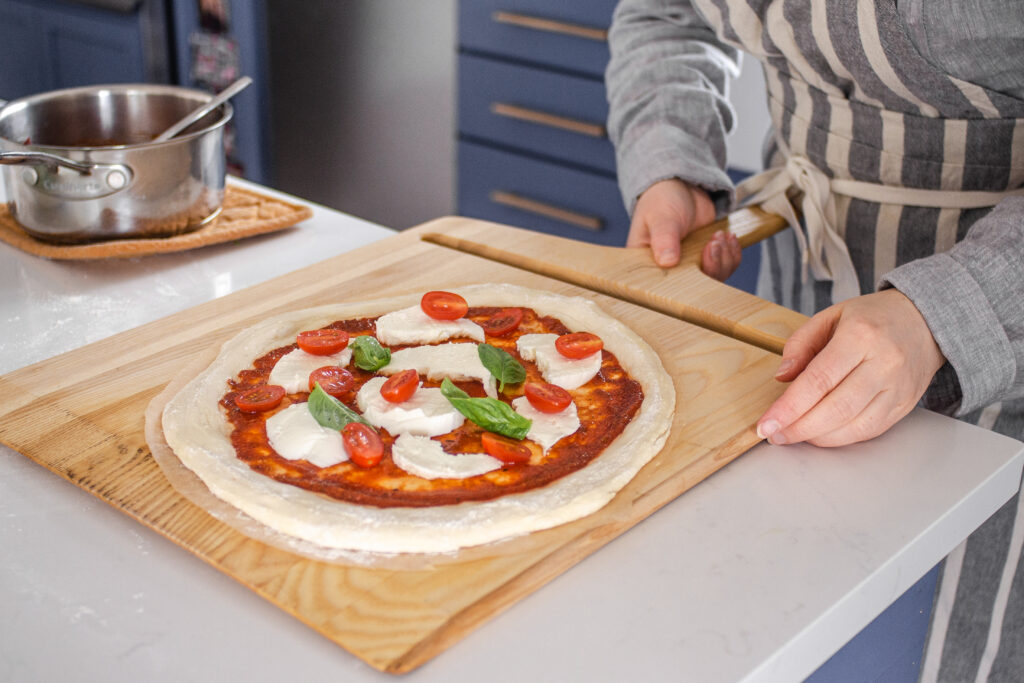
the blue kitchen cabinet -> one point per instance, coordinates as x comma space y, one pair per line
50, 45
560, 35
22, 71
533, 148
516, 189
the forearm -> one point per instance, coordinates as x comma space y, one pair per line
972, 298
666, 88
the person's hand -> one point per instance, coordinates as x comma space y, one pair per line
859, 367
670, 210
721, 256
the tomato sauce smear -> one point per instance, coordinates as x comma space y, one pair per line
605, 405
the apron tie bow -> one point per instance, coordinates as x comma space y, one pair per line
822, 249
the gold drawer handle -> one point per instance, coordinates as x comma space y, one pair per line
580, 220
540, 24
594, 130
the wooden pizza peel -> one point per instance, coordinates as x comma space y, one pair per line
81, 415
682, 292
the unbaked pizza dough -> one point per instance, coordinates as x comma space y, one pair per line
198, 433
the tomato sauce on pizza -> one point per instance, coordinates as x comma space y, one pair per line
605, 405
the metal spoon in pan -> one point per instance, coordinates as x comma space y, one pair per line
225, 95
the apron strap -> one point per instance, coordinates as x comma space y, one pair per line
822, 249
909, 196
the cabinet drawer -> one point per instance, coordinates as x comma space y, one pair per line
522, 191
568, 35
23, 73
545, 112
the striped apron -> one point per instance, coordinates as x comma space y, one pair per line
890, 160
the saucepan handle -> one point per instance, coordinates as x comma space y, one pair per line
87, 181
78, 180
43, 158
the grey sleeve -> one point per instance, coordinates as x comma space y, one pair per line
666, 84
972, 298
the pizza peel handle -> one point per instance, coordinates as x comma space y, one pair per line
749, 224
683, 291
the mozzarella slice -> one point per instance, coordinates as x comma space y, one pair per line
426, 413
413, 326
547, 429
455, 361
296, 435
568, 373
425, 458
292, 370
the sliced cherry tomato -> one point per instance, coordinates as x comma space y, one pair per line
401, 386
334, 380
505, 449
258, 399
578, 345
362, 443
444, 305
547, 398
503, 322
322, 342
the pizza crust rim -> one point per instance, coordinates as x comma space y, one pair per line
198, 434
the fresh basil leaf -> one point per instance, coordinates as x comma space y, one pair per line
450, 391
489, 413
368, 354
494, 416
502, 365
329, 411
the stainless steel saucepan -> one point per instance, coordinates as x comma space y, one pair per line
80, 165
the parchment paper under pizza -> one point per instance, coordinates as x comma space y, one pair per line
425, 423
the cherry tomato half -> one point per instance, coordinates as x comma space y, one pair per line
401, 386
578, 345
258, 399
444, 305
362, 443
322, 342
334, 380
505, 449
503, 322
547, 398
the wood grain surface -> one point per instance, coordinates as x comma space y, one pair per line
683, 292
81, 416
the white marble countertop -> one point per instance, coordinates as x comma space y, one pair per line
759, 573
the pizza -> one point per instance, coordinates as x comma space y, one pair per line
424, 423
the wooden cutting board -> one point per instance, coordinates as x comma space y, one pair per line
81, 416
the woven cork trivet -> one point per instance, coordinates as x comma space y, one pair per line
245, 213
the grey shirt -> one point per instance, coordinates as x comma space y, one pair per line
667, 81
